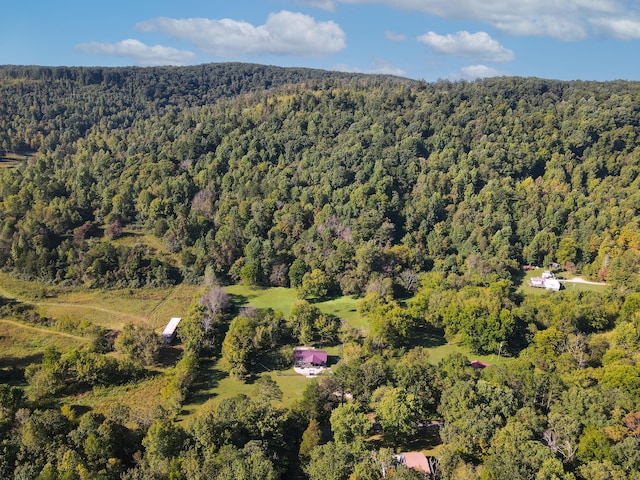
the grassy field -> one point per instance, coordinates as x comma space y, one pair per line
436, 354
142, 398
281, 299
215, 385
113, 308
110, 309
21, 344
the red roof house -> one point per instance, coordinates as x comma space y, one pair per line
478, 365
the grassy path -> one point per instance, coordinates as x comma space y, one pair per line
162, 302
41, 329
110, 309
9, 296
89, 307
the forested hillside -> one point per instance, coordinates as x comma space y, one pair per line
425, 200
360, 177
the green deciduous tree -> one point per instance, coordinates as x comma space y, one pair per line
314, 286
311, 438
138, 343
398, 413
330, 461
349, 423
238, 347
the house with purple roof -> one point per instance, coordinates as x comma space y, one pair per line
305, 357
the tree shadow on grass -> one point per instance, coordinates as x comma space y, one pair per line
518, 277
332, 360
426, 438
169, 355
238, 301
18, 364
208, 379
426, 336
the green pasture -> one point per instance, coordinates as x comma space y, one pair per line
440, 352
281, 299
278, 298
154, 306
215, 385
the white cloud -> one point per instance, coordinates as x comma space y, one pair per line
378, 66
562, 19
620, 28
328, 5
142, 54
473, 72
477, 46
394, 37
562, 28
284, 33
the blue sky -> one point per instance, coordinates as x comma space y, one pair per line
421, 39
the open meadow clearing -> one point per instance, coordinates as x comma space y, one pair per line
281, 299
22, 344
569, 281
112, 309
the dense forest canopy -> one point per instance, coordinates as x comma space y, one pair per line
246, 169
423, 200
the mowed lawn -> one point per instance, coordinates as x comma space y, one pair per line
281, 299
437, 354
214, 385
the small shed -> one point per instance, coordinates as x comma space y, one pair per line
478, 365
169, 332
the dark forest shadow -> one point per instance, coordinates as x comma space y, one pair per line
427, 336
